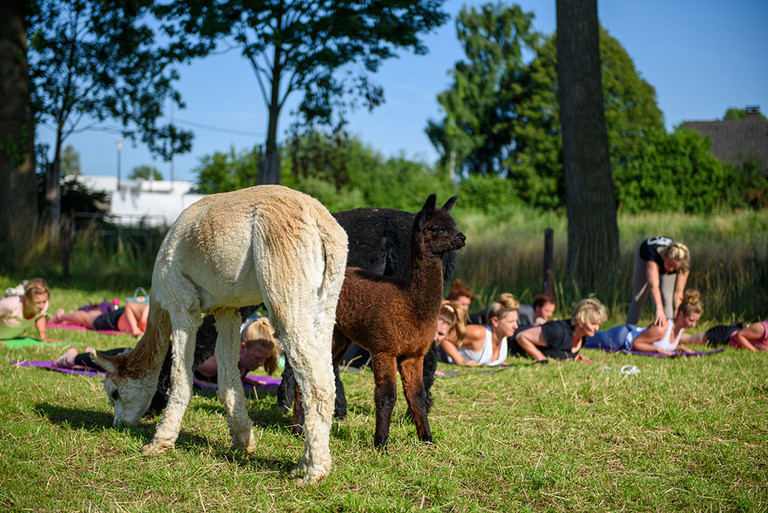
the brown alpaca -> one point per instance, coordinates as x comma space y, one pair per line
395, 319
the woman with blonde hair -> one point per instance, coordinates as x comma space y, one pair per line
561, 339
258, 347
660, 269
487, 344
653, 338
19, 312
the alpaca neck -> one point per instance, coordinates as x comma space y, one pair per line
425, 283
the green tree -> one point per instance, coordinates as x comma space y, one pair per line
145, 172
224, 172
734, 113
593, 232
476, 132
99, 60
327, 49
70, 161
18, 201
631, 113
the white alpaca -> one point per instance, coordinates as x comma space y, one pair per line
265, 244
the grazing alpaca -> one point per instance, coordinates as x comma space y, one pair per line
266, 244
399, 335
380, 242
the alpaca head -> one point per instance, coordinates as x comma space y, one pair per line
130, 395
435, 230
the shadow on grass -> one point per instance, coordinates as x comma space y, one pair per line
98, 421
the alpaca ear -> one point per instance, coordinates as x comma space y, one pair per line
427, 211
449, 204
103, 361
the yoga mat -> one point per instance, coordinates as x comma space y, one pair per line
659, 355
19, 342
77, 327
86, 371
48, 364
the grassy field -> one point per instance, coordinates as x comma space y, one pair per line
685, 434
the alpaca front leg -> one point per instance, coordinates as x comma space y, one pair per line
183, 350
411, 374
385, 396
229, 380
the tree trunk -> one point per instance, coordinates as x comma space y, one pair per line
53, 192
593, 234
269, 173
18, 191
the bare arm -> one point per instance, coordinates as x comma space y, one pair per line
130, 318
677, 297
452, 351
745, 336
40, 325
644, 341
529, 340
652, 275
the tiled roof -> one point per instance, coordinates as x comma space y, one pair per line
735, 140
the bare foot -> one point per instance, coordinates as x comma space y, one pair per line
67, 360
57, 316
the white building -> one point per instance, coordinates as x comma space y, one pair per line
157, 203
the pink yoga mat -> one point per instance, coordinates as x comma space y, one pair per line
77, 327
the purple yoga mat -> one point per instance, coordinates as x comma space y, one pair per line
87, 371
659, 355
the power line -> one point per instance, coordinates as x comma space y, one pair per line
214, 128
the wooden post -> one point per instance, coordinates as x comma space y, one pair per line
66, 247
548, 250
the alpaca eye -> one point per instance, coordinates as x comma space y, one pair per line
438, 229
115, 395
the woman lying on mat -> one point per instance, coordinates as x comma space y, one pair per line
487, 344
753, 337
654, 338
451, 332
130, 319
17, 313
258, 348
561, 339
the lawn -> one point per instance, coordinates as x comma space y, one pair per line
681, 434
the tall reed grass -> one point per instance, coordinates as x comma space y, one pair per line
729, 259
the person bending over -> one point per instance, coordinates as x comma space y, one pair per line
561, 339
661, 270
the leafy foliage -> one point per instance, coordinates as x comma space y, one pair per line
327, 49
100, 59
222, 172
479, 115
145, 172
734, 113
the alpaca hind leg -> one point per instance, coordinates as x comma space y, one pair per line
311, 361
230, 385
385, 395
185, 325
411, 373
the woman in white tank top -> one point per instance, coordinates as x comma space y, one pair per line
656, 339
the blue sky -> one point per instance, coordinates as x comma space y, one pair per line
701, 57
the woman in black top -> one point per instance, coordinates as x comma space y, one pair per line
561, 339
661, 270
